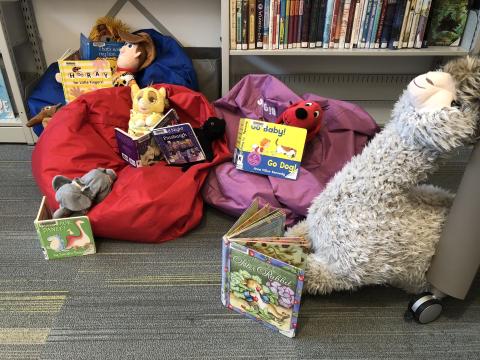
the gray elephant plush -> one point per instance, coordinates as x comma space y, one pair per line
78, 195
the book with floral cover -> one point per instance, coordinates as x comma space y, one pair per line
263, 271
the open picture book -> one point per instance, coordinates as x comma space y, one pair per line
170, 140
263, 271
143, 150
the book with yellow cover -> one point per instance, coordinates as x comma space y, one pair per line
269, 149
82, 76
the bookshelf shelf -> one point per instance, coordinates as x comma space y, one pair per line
431, 51
13, 122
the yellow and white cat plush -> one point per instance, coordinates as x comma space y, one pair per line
148, 105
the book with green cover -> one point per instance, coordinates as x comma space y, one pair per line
447, 22
64, 237
263, 271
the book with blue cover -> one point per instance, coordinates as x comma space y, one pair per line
6, 111
91, 50
269, 149
179, 144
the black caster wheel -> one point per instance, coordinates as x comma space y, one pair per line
424, 308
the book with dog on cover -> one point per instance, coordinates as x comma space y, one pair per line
269, 149
263, 271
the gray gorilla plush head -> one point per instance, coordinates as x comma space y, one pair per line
466, 73
78, 195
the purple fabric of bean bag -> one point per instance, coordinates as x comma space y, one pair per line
346, 130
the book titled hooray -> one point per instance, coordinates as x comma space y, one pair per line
269, 149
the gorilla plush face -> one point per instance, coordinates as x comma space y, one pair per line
433, 90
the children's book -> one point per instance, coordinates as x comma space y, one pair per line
179, 144
82, 76
269, 149
91, 50
447, 22
143, 150
6, 111
262, 271
64, 237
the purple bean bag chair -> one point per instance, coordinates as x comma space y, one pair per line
347, 128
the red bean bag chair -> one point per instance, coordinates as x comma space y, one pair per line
150, 204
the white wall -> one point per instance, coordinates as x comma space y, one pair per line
193, 22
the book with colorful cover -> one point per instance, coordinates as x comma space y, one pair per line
263, 271
6, 110
63, 237
269, 149
143, 150
179, 144
82, 76
91, 50
447, 22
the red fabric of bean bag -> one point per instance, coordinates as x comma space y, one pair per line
149, 204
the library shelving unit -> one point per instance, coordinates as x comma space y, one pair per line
373, 78
22, 62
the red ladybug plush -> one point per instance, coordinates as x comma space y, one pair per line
305, 114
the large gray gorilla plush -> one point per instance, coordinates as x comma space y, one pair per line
374, 223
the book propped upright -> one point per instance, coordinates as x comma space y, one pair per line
179, 144
263, 271
269, 149
82, 76
91, 50
143, 150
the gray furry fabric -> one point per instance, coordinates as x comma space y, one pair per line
373, 223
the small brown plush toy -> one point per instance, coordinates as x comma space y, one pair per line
44, 115
107, 28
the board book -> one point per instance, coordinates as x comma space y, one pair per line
82, 76
64, 237
91, 50
179, 144
269, 149
143, 150
263, 271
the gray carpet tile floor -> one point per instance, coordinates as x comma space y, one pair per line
162, 301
